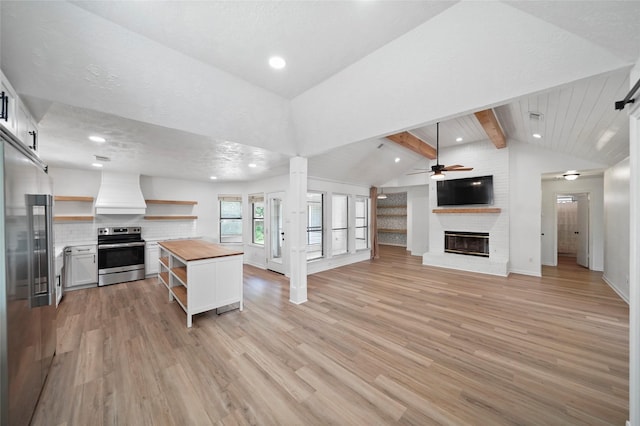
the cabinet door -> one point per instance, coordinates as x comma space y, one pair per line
8, 105
152, 254
84, 269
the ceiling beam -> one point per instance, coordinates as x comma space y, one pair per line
413, 143
489, 122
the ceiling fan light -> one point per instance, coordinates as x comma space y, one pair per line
571, 176
438, 175
382, 196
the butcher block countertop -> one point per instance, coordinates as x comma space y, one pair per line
197, 249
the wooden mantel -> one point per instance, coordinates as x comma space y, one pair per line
469, 210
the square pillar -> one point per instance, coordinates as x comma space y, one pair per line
297, 233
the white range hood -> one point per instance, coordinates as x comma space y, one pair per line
120, 193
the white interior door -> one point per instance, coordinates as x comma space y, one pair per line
582, 256
275, 232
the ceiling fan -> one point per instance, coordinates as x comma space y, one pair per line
438, 168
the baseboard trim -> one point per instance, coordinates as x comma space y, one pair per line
614, 288
259, 266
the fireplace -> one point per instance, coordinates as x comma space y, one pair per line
467, 243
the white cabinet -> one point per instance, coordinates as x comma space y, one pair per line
151, 254
15, 116
81, 267
8, 100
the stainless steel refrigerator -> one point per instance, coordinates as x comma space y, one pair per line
27, 289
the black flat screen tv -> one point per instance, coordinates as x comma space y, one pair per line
467, 191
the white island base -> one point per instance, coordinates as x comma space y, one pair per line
200, 276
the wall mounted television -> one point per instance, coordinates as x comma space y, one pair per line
467, 191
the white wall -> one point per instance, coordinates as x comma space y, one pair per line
527, 163
616, 224
550, 188
418, 219
485, 160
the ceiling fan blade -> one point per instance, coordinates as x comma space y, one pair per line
418, 173
463, 169
454, 166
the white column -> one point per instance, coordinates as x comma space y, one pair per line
634, 253
297, 233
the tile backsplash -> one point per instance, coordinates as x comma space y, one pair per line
74, 232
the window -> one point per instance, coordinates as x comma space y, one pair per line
362, 223
230, 219
314, 226
257, 219
339, 224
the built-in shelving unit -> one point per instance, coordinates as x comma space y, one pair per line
74, 217
171, 216
468, 210
392, 219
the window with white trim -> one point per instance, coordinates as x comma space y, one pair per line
315, 249
257, 219
339, 224
230, 219
362, 223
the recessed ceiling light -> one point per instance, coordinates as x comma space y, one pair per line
397, 160
458, 139
96, 165
537, 135
276, 62
213, 177
97, 139
252, 165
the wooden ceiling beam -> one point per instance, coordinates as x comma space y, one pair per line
489, 122
414, 143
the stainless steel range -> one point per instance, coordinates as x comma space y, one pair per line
120, 255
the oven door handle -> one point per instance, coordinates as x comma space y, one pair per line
120, 245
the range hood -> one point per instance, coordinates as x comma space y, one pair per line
120, 193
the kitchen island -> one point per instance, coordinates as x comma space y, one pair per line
200, 276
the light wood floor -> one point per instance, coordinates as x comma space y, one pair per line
383, 342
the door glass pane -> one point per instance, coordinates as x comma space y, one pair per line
276, 226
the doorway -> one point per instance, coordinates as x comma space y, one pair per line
275, 235
572, 229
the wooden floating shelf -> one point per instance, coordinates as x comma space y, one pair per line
392, 207
180, 292
185, 203
392, 231
392, 215
181, 273
172, 217
73, 198
72, 218
469, 210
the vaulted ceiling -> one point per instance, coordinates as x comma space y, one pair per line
182, 89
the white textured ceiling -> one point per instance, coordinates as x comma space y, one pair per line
182, 89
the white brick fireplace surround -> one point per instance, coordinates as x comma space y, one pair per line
485, 160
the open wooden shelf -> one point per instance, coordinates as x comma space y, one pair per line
72, 218
392, 231
73, 198
185, 203
164, 260
391, 215
164, 276
181, 273
171, 217
180, 292
392, 207
469, 210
